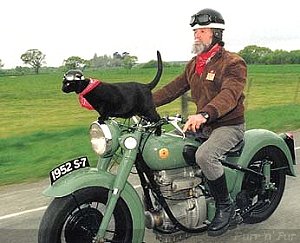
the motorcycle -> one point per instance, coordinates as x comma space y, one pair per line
100, 204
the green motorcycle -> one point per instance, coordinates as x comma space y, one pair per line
101, 205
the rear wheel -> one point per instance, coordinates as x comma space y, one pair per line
261, 200
76, 218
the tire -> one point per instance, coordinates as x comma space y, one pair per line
268, 201
76, 218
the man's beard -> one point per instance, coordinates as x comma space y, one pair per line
199, 47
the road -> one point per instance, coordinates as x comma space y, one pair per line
22, 206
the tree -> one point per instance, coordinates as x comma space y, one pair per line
34, 58
101, 61
254, 54
129, 61
281, 57
126, 60
116, 55
1, 64
75, 62
295, 57
117, 60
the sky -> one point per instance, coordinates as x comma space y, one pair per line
64, 28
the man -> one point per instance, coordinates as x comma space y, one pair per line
216, 79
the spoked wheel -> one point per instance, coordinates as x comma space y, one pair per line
76, 218
261, 201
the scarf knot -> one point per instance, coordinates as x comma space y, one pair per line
83, 102
203, 58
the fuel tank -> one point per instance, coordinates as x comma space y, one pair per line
165, 152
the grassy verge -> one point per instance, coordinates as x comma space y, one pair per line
281, 118
30, 157
40, 127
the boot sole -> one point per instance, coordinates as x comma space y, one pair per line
231, 225
218, 232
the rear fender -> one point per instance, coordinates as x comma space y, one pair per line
90, 177
255, 140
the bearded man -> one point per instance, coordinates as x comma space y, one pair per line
216, 78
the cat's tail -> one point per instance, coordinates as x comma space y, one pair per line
156, 79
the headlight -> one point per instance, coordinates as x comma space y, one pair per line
101, 138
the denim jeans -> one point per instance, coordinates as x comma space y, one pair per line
219, 142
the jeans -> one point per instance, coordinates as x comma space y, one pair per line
219, 142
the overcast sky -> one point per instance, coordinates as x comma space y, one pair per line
64, 28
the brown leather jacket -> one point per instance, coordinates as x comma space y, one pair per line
218, 91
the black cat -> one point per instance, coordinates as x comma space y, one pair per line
122, 100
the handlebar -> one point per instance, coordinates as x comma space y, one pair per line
173, 120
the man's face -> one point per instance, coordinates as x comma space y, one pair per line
202, 40
203, 35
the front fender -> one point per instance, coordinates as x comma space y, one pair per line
87, 177
255, 140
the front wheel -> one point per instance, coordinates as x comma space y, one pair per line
262, 201
76, 218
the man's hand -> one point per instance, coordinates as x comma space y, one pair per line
194, 122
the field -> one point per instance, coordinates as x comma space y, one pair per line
41, 127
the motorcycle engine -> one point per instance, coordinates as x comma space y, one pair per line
182, 191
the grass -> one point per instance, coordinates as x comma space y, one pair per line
30, 157
35, 102
281, 118
41, 127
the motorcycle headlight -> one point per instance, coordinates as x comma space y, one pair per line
101, 138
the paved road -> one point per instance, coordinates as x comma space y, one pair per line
22, 206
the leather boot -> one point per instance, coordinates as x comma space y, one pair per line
225, 210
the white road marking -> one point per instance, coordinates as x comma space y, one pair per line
12, 215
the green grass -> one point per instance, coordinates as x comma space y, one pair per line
36, 103
25, 158
41, 127
30, 157
267, 90
280, 118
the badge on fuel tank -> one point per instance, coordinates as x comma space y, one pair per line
163, 153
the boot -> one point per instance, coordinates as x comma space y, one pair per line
225, 210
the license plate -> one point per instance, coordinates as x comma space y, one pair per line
67, 168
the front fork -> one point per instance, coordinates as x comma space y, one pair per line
130, 153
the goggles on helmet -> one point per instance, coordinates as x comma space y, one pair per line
204, 19
73, 76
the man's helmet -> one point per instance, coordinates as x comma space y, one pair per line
73, 75
207, 18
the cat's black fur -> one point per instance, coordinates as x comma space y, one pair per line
122, 100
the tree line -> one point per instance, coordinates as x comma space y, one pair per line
36, 59
262, 55
252, 54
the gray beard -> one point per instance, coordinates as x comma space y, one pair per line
199, 47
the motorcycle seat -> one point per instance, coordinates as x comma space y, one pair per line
237, 150
189, 152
